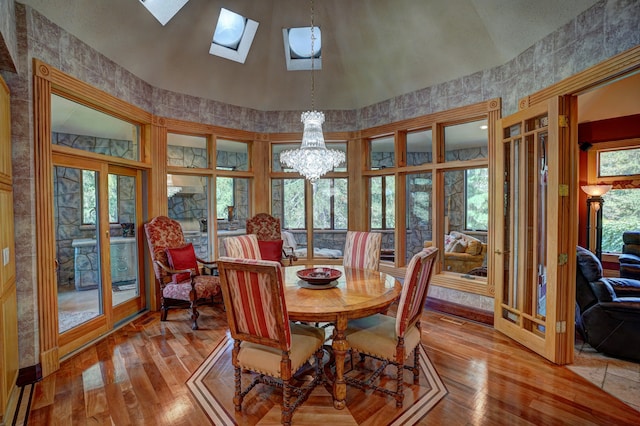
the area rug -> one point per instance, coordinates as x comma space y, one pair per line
212, 385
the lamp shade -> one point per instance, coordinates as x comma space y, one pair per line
596, 190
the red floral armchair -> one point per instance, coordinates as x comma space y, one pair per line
177, 269
267, 230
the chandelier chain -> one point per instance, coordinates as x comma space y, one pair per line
313, 55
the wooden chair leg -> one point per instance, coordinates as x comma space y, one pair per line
400, 385
416, 366
194, 315
163, 310
286, 403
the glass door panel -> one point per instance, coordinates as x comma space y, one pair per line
531, 305
124, 239
79, 284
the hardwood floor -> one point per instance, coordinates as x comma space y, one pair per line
138, 375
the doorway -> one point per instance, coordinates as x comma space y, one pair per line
96, 216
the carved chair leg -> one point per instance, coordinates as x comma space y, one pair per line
237, 398
286, 403
194, 315
416, 365
163, 310
400, 385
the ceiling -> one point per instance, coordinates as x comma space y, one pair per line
373, 50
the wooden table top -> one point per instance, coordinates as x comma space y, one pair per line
359, 293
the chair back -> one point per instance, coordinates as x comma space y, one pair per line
414, 289
242, 246
162, 233
631, 242
362, 250
265, 226
253, 294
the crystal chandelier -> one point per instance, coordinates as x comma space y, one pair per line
312, 159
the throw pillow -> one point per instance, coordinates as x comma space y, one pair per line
474, 247
271, 250
182, 258
458, 247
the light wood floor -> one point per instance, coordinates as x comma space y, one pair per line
137, 376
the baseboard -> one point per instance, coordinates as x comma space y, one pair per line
463, 311
29, 375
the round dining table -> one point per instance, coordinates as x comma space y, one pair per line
356, 293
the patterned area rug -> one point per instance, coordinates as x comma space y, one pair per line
212, 384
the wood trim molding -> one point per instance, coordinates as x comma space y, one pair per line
45, 243
608, 70
78, 90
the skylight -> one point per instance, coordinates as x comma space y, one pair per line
233, 36
163, 10
297, 48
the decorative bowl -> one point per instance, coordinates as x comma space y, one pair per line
319, 275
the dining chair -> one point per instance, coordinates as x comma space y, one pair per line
179, 273
362, 250
391, 340
270, 241
242, 246
266, 343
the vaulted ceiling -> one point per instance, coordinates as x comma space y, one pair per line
373, 50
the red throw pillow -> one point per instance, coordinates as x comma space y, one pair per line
182, 258
271, 250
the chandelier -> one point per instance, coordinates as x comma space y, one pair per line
312, 160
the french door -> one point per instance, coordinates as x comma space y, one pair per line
536, 232
96, 215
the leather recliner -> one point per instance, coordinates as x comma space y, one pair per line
607, 309
630, 257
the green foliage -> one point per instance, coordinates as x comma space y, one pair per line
620, 212
224, 196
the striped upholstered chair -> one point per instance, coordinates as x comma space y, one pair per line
362, 250
266, 344
242, 246
392, 340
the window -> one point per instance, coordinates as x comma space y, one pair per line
330, 200
477, 199
419, 222
293, 204
383, 194
89, 202
187, 151
298, 51
81, 127
620, 162
233, 36
617, 163
225, 191
620, 212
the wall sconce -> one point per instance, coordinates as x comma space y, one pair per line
595, 202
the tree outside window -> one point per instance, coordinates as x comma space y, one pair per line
383, 200
330, 203
225, 190
621, 208
89, 194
